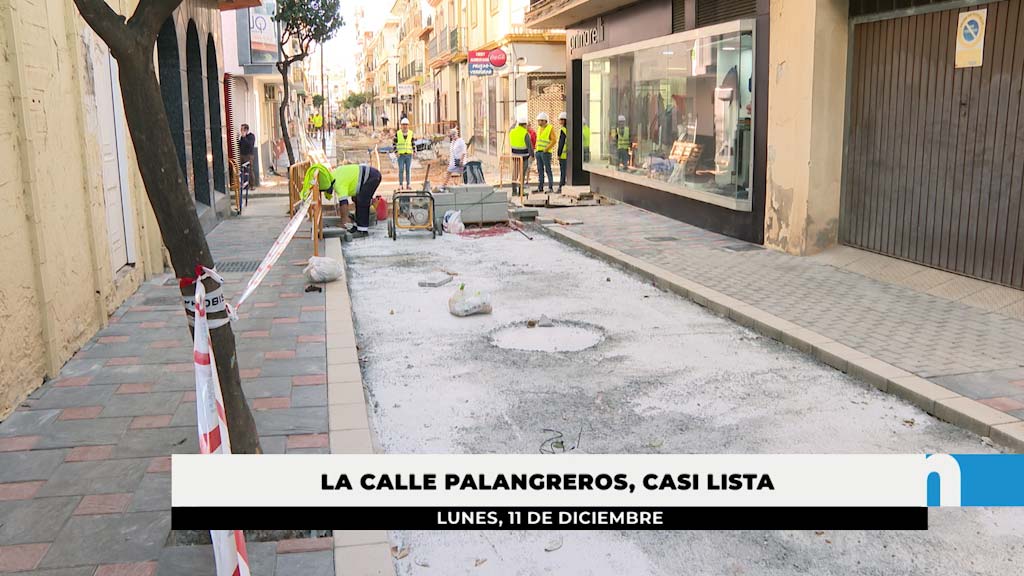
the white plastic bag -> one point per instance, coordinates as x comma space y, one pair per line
453, 222
464, 303
322, 269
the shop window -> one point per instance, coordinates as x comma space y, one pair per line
675, 113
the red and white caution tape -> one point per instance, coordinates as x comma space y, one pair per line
273, 255
228, 545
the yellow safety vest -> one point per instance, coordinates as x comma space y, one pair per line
543, 138
586, 136
517, 141
345, 178
318, 121
404, 143
623, 141
565, 148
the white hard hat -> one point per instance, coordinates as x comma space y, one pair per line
404, 121
542, 116
622, 118
522, 120
562, 116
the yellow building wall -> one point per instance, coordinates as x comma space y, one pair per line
806, 111
58, 287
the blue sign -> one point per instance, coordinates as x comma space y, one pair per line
481, 69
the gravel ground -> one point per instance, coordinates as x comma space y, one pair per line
665, 376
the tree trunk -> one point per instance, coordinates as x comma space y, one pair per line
283, 110
179, 224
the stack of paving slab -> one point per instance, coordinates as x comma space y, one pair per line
479, 203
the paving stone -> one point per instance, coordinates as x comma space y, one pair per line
89, 453
20, 557
29, 465
185, 415
198, 560
127, 569
274, 444
267, 387
72, 397
303, 396
292, 421
20, 490
95, 432
364, 560
306, 564
158, 442
77, 571
152, 404
295, 545
37, 520
988, 384
28, 422
109, 539
100, 477
96, 504
293, 367
153, 494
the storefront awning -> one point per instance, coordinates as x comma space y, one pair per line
227, 5
564, 13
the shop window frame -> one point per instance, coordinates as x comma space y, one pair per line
742, 25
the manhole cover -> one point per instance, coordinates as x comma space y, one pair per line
238, 266
561, 337
661, 239
743, 247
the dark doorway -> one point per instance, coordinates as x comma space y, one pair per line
170, 86
214, 91
197, 114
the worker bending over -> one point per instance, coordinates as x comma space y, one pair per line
356, 181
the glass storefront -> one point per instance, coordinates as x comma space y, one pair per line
675, 113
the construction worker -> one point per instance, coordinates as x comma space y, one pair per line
519, 145
318, 122
403, 147
545, 144
356, 181
563, 150
622, 142
586, 141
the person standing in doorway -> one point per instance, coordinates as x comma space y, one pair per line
384, 119
563, 150
403, 147
545, 144
519, 144
247, 153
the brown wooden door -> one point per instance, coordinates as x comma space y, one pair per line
935, 154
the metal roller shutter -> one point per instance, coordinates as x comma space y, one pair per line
934, 153
678, 15
715, 11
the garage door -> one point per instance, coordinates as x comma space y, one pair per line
935, 154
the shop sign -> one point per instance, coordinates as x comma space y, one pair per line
970, 39
406, 89
587, 37
479, 56
497, 57
481, 69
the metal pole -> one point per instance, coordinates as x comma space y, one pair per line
323, 119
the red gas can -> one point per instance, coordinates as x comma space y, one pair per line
381, 206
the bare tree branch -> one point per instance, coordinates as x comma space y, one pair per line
150, 16
108, 25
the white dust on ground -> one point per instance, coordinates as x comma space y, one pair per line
667, 377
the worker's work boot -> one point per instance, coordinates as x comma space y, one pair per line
360, 234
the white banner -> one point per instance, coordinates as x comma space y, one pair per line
517, 480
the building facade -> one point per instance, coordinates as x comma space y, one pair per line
803, 124
79, 233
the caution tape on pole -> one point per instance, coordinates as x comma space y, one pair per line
229, 550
